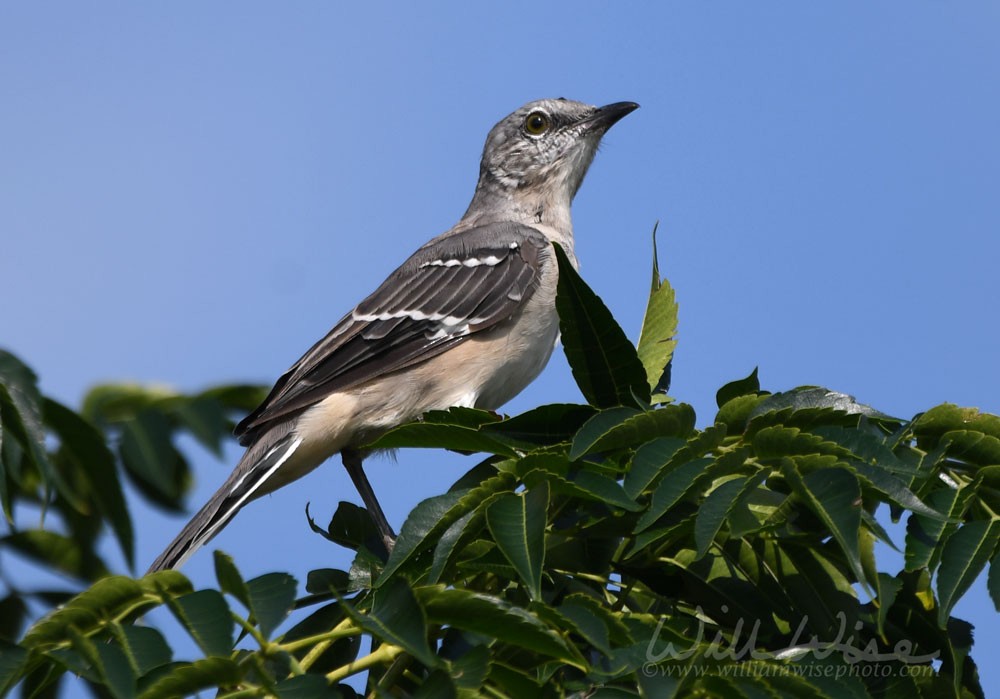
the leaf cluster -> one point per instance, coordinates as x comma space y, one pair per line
603, 549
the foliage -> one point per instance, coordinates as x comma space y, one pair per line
607, 549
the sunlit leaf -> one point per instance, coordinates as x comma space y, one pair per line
517, 522
965, 554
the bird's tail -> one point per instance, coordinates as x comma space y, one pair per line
249, 480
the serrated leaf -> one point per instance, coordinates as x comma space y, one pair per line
888, 589
108, 598
545, 425
57, 552
144, 647
834, 495
924, 535
647, 462
425, 519
92, 459
272, 598
432, 517
604, 362
150, 458
712, 513
993, 581
602, 489
442, 436
946, 417
495, 618
895, 490
973, 446
398, 618
230, 580
205, 419
518, 523
749, 385
815, 397
12, 661
189, 678
206, 617
118, 675
625, 427
659, 326
447, 546
306, 687
963, 558
674, 483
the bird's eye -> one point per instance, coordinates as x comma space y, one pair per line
536, 123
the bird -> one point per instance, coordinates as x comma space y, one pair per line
468, 320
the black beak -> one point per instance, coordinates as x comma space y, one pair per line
610, 114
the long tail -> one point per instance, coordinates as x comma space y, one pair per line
248, 480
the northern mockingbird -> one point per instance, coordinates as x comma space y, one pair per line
468, 320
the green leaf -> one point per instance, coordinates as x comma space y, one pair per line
545, 425
21, 423
494, 618
13, 613
924, 535
741, 387
888, 589
206, 617
593, 621
108, 598
518, 522
675, 482
604, 362
450, 542
190, 678
238, 397
894, 490
423, 522
272, 598
12, 661
205, 418
716, 508
659, 326
151, 459
602, 489
398, 618
834, 495
647, 462
625, 427
442, 436
933, 424
973, 447
115, 670
351, 526
230, 580
306, 687
993, 581
815, 397
965, 554
432, 517
57, 552
323, 581
91, 458
145, 647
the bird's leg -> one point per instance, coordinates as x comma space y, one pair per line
353, 461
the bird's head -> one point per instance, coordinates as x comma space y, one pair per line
545, 147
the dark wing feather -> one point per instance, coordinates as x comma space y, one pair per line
435, 300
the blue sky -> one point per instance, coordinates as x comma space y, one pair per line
192, 193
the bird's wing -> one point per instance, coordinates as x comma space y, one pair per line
450, 289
